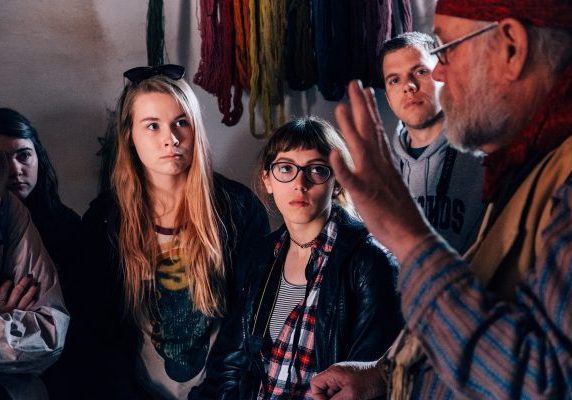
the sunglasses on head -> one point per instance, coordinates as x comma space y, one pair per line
138, 74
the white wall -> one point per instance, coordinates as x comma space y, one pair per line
62, 64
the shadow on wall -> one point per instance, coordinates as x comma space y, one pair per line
52, 56
184, 49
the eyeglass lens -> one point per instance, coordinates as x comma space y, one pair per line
314, 173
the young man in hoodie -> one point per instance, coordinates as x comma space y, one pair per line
446, 184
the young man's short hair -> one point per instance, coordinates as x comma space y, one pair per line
421, 41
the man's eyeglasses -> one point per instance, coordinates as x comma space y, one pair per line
138, 74
442, 50
314, 173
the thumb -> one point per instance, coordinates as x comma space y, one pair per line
344, 394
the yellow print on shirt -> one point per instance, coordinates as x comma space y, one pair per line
171, 272
180, 335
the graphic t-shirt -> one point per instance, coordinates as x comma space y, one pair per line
176, 339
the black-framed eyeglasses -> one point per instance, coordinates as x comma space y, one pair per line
443, 49
286, 172
138, 74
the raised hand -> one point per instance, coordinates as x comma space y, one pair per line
19, 297
376, 187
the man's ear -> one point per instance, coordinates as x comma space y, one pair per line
514, 49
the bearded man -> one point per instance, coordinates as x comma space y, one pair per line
497, 324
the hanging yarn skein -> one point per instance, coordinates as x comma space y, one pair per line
267, 28
405, 15
299, 54
242, 42
217, 73
376, 30
332, 41
155, 33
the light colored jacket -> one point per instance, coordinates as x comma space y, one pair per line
32, 340
458, 215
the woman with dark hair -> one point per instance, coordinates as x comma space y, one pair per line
32, 178
319, 290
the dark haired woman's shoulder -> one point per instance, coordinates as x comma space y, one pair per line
102, 204
232, 188
68, 216
101, 210
240, 199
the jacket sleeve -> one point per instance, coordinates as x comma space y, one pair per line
486, 348
100, 343
228, 360
375, 312
30, 341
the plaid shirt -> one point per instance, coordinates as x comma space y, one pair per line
483, 349
290, 363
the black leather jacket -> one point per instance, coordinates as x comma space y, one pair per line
106, 341
358, 314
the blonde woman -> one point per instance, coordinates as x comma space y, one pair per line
164, 249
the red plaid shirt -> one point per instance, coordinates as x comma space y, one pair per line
290, 362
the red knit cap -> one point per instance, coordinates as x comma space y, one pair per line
541, 13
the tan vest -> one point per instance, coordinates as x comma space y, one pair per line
504, 252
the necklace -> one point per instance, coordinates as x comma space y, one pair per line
303, 245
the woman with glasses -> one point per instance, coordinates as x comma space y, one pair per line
320, 290
164, 248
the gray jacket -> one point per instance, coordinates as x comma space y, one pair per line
457, 217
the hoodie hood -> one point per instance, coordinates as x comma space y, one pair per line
421, 175
458, 213
401, 141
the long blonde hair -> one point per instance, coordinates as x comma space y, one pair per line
200, 227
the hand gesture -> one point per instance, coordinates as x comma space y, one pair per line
19, 297
349, 381
376, 187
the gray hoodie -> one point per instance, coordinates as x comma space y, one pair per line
458, 216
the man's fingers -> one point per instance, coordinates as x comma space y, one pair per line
324, 386
5, 292
19, 290
345, 394
372, 106
342, 172
348, 129
382, 138
28, 297
362, 118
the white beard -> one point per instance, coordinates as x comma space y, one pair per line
480, 116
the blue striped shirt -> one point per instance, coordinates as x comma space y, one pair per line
480, 347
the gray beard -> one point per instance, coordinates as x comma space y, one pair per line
480, 117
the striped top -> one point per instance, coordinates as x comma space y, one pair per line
289, 296
483, 348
